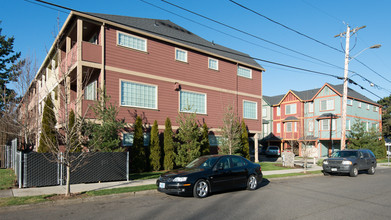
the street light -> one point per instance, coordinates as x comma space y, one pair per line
345, 85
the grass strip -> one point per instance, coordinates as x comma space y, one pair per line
145, 176
10, 201
7, 178
121, 190
268, 166
292, 174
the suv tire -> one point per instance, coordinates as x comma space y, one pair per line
372, 170
354, 171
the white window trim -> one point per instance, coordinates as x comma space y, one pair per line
311, 107
368, 107
198, 113
256, 109
146, 41
176, 58
359, 104
294, 104
320, 103
349, 100
217, 63
264, 112
251, 72
310, 126
147, 84
348, 124
328, 124
278, 128
291, 127
278, 113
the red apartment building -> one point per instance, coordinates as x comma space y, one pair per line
152, 68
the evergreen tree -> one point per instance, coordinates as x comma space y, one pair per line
205, 147
386, 116
48, 137
155, 148
138, 159
188, 135
73, 139
244, 149
359, 137
169, 153
105, 136
10, 69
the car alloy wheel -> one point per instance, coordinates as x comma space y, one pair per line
201, 189
252, 183
371, 170
354, 171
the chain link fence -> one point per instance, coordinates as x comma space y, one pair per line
42, 169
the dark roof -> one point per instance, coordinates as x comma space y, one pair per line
273, 100
308, 138
327, 115
307, 94
291, 118
353, 94
168, 30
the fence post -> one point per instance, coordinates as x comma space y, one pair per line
20, 175
127, 166
61, 169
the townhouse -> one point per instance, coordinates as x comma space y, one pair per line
313, 118
150, 68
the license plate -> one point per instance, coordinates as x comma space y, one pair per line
333, 169
162, 185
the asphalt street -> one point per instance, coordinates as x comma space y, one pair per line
320, 197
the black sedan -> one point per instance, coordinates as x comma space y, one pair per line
209, 174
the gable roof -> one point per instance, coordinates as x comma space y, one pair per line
173, 32
273, 100
353, 94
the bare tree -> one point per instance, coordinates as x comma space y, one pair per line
230, 132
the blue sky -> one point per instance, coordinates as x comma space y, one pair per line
34, 28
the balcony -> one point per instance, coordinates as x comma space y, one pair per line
91, 52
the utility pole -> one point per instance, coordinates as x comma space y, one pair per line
345, 81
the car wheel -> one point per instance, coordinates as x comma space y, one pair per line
326, 173
372, 170
354, 171
252, 182
201, 189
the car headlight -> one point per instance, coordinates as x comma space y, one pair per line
347, 162
325, 162
179, 179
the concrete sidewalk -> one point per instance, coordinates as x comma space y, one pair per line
77, 188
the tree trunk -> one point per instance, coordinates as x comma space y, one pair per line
68, 185
305, 164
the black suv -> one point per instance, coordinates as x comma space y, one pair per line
350, 161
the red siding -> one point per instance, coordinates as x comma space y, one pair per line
91, 52
159, 60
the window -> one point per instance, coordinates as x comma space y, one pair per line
90, 91
347, 124
311, 126
244, 72
326, 125
374, 126
249, 110
94, 39
367, 106
138, 95
278, 111
349, 102
326, 105
265, 129
192, 102
295, 126
288, 127
214, 140
132, 41
181, 55
213, 64
127, 139
367, 125
238, 162
359, 104
375, 108
264, 112
310, 107
290, 109
278, 127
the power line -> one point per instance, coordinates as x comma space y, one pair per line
237, 54
32, 2
249, 34
291, 29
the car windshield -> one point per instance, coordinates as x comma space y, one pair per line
203, 162
345, 154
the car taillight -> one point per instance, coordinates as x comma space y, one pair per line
260, 168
